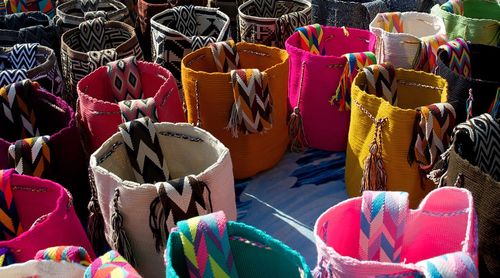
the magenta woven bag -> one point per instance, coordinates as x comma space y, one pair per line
377, 235
35, 214
324, 61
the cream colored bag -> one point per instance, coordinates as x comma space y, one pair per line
134, 212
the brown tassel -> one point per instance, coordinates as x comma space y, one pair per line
157, 221
296, 132
374, 174
96, 220
119, 236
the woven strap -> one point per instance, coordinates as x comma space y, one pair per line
431, 134
392, 22
354, 63
70, 254
144, 151
89, 5
426, 57
205, 241
225, 55
454, 7
311, 38
94, 14
17, 107
23, 56
10, 224
138, 108
452, 265
125, 79
31, 156
12, 76
288, 23
111, 264
92, 34
383, 220
252, 108
381, 81
100, 58
458, 56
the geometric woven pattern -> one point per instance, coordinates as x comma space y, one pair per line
31, 156
425, 60
392, 22
111, 265
138, 108
23, 56
458, 56
205, 241
70, 254
311, 38
10, 224
454, 7
381, 81
12, 76
225, 55
92, 34
453, 265
125, 79
383, 219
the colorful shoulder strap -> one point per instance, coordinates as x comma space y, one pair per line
453, 265
392, 22
31, 156
205, 241
381, 81
125, 79
225, 55
426, 57
70, 254
454, 7
311, 37
458, 56
10, 224
111, 265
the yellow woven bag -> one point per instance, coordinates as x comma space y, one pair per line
411, 89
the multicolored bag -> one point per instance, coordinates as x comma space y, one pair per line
71, 13
408, 40
473, 81
29, 27
123, 91
178, 31
92, 45
39, 138
400, 125
47, 7
216, 81
149, 176
210, 246
476, 21
323, 63
71, 262
36, 214
31, 61
271, 22
377, 235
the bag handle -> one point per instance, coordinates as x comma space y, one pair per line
10, 226
207, 251
92, 34
111, 262
31, 156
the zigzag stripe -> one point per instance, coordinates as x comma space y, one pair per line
71, 254
393, 22
426, 57
111, 264
381, 82
12, 76
23, 56
454, 7
265, 8
382, 225
31, 156
458, 56
225, 55
454, 265
10, 224
138, 108
311, 38
205, 241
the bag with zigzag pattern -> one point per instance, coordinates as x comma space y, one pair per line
323, 62
210, 246
147, 177
378, 235
123, 91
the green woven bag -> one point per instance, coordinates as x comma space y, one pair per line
208, 246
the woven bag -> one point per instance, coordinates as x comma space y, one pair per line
93, 44
36, 214
390, 143
473, 81
47, 7
185, 172
477, 21
271, 22
178, 31
377, 235
39, 138
122, 91
31, 61
408, 40
70, 262
210, 246
230, 8
213, 101
71, 13
319, 72
29, 27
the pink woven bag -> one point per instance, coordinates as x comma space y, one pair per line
35, 214
323, 62
377, 235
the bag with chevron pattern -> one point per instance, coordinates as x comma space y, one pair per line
147, 177
31, 61
210, 246
408, 40
238, 92
47, 7
378, 235
323, 63
178, 31
35, 214
71, 262
477, 21
400, 125
93, 44
473, 81
71, 13
123, 91
39, 137
29, 27
271, 22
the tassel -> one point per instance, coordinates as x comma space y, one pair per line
468, 105
119, 236
95, 225
439, 174
296, 131
156, 217
374, 174
234, 120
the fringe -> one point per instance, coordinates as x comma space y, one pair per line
119, 236
234, 120
95, 225
374, 174
296, 131
156, 218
